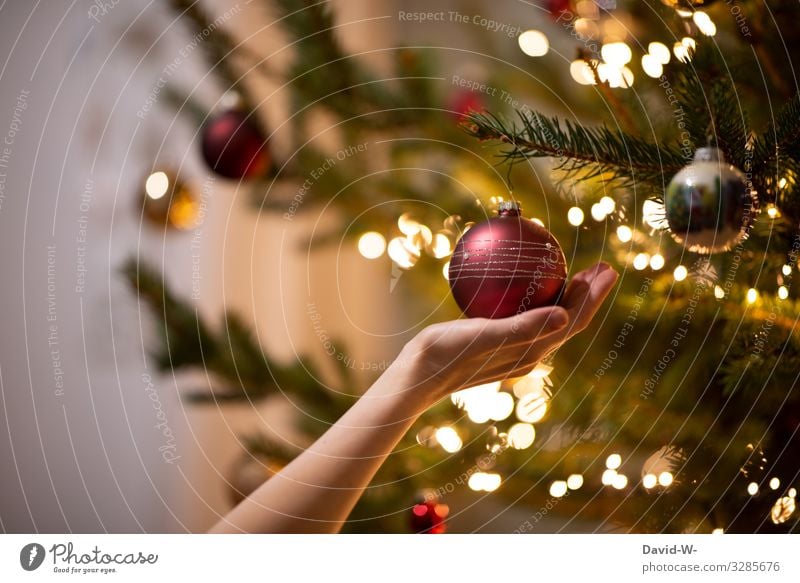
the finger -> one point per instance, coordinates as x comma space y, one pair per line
585, 294
522, 329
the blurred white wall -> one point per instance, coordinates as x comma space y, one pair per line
79, 446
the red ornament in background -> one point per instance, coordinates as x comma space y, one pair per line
505, 266
234, 147
463, 102
428, 514
557, 7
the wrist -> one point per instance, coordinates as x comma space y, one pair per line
405, 385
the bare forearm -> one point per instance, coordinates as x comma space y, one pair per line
317, 491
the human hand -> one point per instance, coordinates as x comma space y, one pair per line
451, 356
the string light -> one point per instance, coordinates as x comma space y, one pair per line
704, 23
775, 483
649, 481
521, 435
719, 293
575, 216
665, 478
783, 292
156, 185
449, 439
772, 211
654, 214
641, 261
531, 408
441, 246
657, 261
680, 273
502, 406
786, 269
480, 402
752, 488
624, 233
613, 461
582, 72
403, 253
717, 531
574, 481
371, 245
659, 51
598, 214
608, 477
616, 54
558, 488
533, 43
620, 481
607, 204
652, 67
752, 295
486, 482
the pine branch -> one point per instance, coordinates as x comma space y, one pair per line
590, 152
232, 354
218, 44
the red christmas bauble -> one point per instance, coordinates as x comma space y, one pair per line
428, 515
464, 102
234, 147
557, 7
505, 266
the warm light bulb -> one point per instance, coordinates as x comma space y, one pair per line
624, 233
660, 52
582, 72
719, 293
680, 273
403, 253
371, 245
608, 477
718, 531
657, 261
772, 211
448, 439
775, 483
641, 261
681, 52
752, 488
598, 214
533, 43
783, 292
574, 481
607, 204
649, 481
616, 54
665, 478
558, 488
652, 67
704, 23
620, 481
531, 407
502, 406
786, 269
613, 461
575, 216
752, 296
156, 185
521, 435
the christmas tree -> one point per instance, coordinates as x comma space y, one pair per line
675, 158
